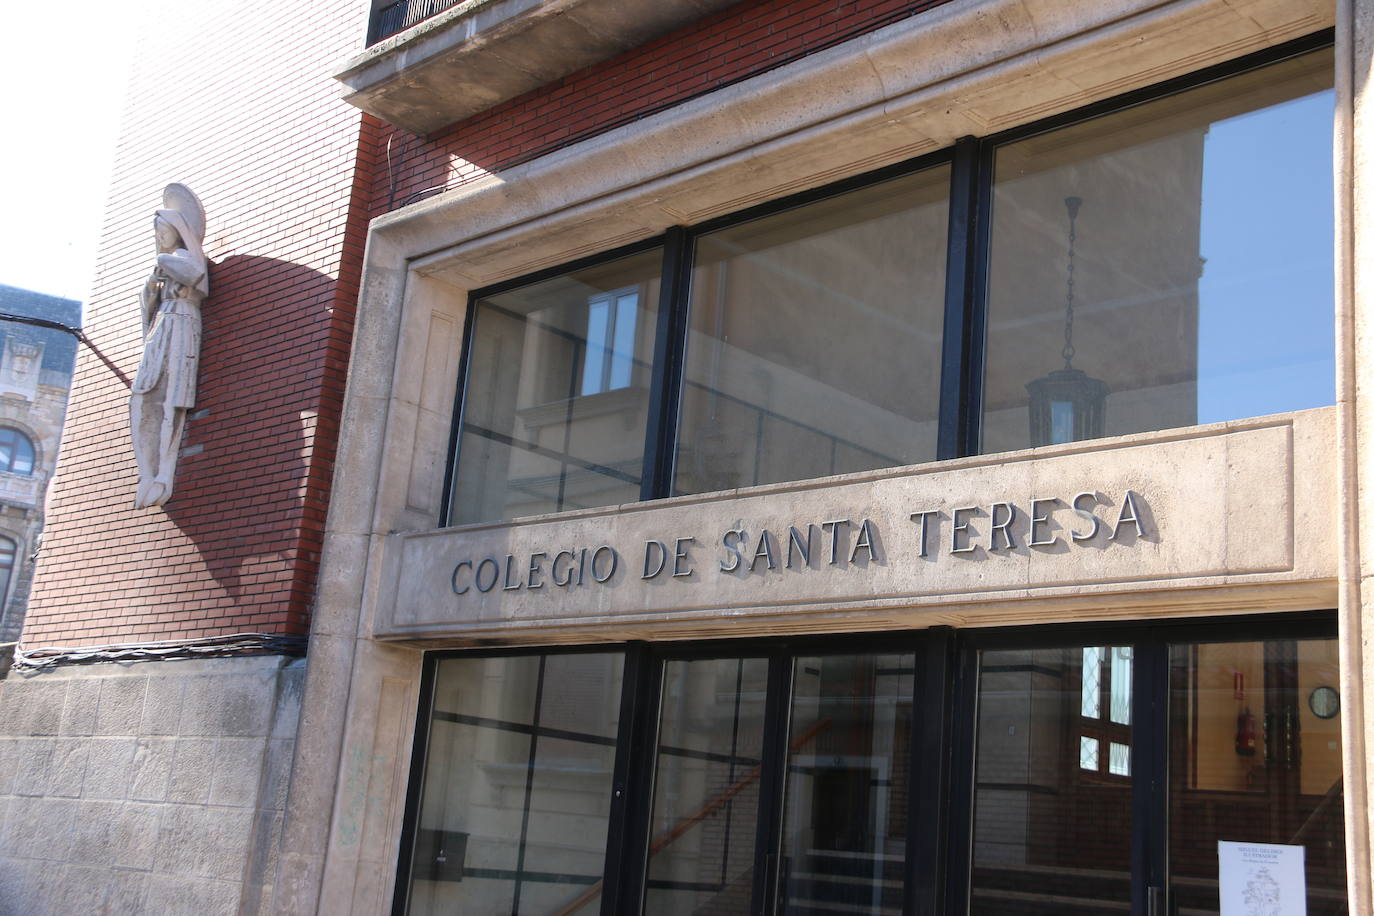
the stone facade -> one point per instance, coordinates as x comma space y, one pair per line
35, 382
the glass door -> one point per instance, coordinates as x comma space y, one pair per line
1052, 821
707, 779
782, 783
1151, 769
1156, 770
1255, 794
848, 784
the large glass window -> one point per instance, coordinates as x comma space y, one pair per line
1166, 265
1163, 264
557, 393
814, 342
1238, 781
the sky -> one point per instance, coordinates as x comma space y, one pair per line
63, 94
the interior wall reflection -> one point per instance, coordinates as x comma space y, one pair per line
1201, 284
814, 339
556, 398
1255, 738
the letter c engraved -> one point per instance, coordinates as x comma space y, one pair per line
466, 588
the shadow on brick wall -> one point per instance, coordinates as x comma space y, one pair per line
252, 481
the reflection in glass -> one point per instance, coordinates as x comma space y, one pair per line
848, 781
1252, 763
1201, 285
556, 399
706, 787
516, 794
1052, 801
814, 339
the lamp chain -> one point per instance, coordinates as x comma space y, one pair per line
1072, 204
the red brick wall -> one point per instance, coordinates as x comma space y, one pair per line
730, 46
235, 99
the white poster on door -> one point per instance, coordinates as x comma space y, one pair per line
1262, 879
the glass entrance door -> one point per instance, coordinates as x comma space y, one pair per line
782, 784
1151, 769
1154, 771
1052, 798
1255, 793
848, 784
709, 765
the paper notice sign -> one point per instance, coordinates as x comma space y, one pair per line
1262, 879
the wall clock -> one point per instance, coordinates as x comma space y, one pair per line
1324, 702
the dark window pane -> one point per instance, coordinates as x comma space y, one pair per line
706, 787
848, 768
8, 550
517, 785
1052, 802
1255, 734
557, 393
814, 345
16, 451
1201, 282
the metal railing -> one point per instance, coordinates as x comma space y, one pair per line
398, 16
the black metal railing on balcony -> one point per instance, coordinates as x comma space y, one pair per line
395, 17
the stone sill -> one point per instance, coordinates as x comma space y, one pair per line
478, 54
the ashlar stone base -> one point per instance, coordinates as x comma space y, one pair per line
145, 787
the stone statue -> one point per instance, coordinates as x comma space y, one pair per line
165, 387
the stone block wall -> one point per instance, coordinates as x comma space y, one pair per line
146, 787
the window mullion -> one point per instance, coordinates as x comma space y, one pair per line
670, 344
456, 426
930, 755
1149, 772
772, 783
962, 753
961, 353
632, 793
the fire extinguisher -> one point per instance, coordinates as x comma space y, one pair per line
1245, 733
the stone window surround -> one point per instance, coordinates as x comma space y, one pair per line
968, 67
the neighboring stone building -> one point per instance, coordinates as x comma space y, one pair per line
35, 379
809, 456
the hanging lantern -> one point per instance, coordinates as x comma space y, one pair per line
1067, 404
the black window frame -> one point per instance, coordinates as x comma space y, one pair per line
938, 865
970, 159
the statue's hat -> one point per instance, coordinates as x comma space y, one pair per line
180, 198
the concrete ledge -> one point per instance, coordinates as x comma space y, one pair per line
479, 54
